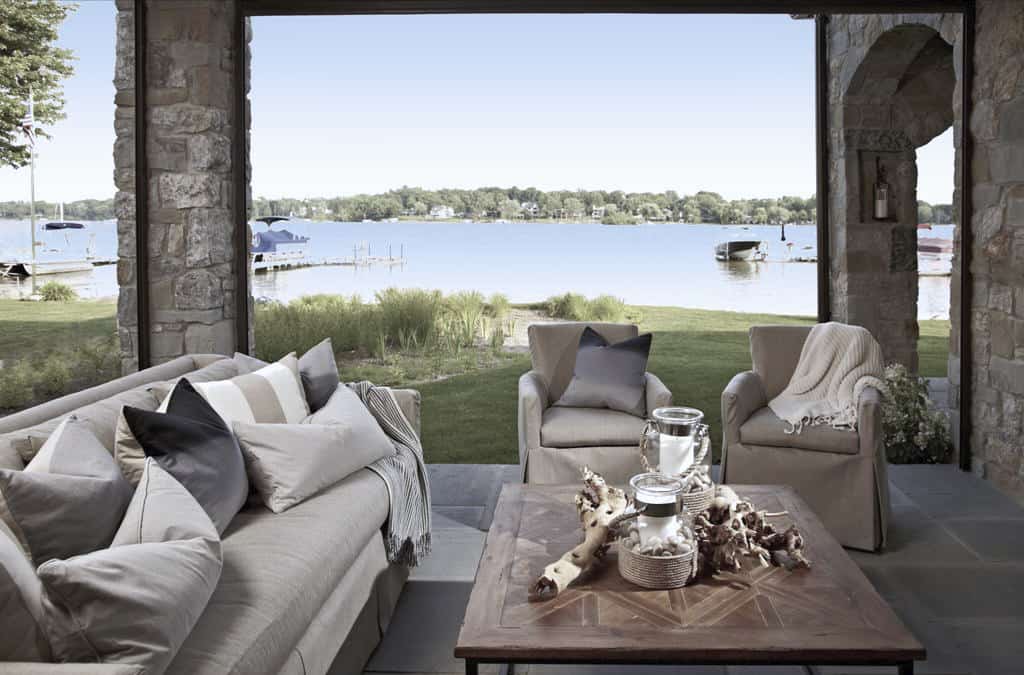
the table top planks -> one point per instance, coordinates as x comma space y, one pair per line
829, 614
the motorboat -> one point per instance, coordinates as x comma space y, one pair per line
277, 248
744, 250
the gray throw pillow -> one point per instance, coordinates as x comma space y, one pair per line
609, 375
69, 499
318, 371
136, 602
288, 463
22, 632
344, 408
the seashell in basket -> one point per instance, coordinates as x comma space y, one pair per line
661, 572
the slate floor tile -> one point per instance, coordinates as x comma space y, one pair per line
992, 540
957, 592
446, 517
455, 558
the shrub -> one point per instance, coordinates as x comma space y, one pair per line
16, 385
298, 325
54, 377
465, 313
606, 308
410, 312
95, 360
571, 306
575, 307
914, 431
55, 291
498, 306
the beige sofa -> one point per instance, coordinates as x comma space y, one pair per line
840, 474
306, 591
554, 442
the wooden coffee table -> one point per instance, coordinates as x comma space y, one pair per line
828, 615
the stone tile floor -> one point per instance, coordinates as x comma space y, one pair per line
953, 570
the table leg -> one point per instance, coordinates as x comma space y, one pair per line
906, 668
471, 667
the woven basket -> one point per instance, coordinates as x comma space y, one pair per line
655, 573
695, 502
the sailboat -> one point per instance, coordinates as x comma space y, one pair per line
33, 266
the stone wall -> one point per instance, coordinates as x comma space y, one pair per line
190, 127
997, 128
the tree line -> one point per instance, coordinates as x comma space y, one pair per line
614, 207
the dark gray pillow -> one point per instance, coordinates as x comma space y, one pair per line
193, 444
70, 498
609, 375
318, 371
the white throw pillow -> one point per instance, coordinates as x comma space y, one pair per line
288, 463
136, 602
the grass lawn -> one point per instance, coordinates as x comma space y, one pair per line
28, 328
471, 418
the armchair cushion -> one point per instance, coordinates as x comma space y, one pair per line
765, 428
585, 427
656, 393
553, 349
775, 351
608, 375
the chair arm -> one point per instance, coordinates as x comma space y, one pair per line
743, 396
533, 400
657, 394
409, 402
869, 421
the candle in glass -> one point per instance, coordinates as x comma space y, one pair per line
675, 453
658, 496
676, 429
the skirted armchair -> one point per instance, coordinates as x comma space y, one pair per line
555, 441
841, 474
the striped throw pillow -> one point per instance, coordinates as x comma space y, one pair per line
271, 395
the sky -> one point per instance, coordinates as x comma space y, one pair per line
344, 105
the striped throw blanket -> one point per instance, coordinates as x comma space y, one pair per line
407, 538
836, 363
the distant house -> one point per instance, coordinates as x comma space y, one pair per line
442, 212
597, 212
530, 208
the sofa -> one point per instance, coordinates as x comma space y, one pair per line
306, 591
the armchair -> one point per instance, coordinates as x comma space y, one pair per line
555, 441
841, 474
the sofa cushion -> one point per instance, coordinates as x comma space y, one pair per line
192, 443
585, 427
137, 601
278, 571
70, 498
100, 417
765, 428
22, 621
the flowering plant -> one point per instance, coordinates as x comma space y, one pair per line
915, 433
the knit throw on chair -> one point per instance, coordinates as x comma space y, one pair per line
836, 363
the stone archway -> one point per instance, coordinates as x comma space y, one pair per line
898, 96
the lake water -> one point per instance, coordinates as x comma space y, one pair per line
663, 264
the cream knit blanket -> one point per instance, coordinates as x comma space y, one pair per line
836, 363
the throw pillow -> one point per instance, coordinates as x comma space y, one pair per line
608, 375
22, 632
69, 499
318, 370
136, 602
272, 394
192, 443
289, 463
345, 409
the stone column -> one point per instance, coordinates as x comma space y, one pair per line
191, 219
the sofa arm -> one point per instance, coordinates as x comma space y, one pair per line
743, 396
869, 422
409, 402
21, 668
656, 393
533, 400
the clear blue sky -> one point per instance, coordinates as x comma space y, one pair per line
361, 104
